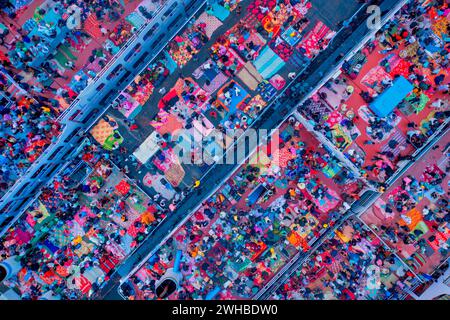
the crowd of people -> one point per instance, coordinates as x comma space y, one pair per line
408, 59
92, 216
54, 80
49, 52
229, 83
259, 219
413, 216
66, 42
28, 125
351, 265
84, 224
196, 262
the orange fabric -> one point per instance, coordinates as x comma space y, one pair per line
415, 216
148, 218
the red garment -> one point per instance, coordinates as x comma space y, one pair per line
56, 185
87, 156
3, 57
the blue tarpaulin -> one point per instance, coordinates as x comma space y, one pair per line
386, 102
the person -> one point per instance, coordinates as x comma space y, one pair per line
386, 82
70, 64
103, 30
207, 66
37, 88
